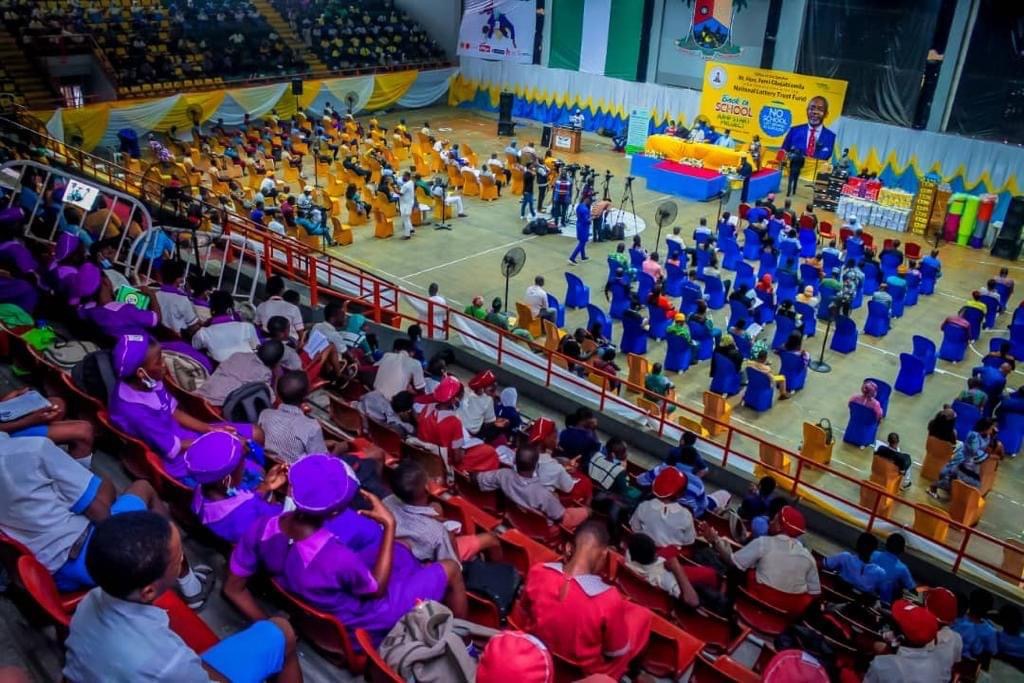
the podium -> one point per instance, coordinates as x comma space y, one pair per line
566, 139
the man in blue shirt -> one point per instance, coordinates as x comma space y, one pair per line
979, 635
758, 213
856, 569
897, 576
932, 262
993, 382
582, 230
686, 454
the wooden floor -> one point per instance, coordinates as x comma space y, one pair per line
465, 262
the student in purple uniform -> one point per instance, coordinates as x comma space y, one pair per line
231, 492
94, 295
142, 407
370, 589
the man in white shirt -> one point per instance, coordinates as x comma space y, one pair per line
176, 310
268, 186
576, 120
553, 474
476, 410
276, 305
725, 140
917, 658
528, 155
512, 149
450, 198
406, 204
662, 518
398, 371
780, 562
697, 133
537, 300
223, 335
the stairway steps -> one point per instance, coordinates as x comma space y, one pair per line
284, 29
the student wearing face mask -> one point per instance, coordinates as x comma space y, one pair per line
142, 407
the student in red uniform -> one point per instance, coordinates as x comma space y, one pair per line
439, 424
579, 616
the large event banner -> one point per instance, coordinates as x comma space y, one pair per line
787, 110
498, 29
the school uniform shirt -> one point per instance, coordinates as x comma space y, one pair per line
863, 576
176, 308
239, 368
114, 640
420, 528
584, 619
782, 563
897, 576
231, 517
979, 637
949, 648
274, 306
553, 475
656, 574
527, 492
397, 372
43, 495
605, 471
118, 318
223, 338
667, 524
377, 408
476, 410
908, 665
444, 428
290, 433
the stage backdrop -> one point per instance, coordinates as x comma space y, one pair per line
694, 32
776, 105
498, 29
598, 37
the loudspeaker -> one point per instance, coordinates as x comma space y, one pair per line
505, 107
506, 128
296, 86
545, 136
1014, 221
1006, 248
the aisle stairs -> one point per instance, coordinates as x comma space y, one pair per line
283, 29
19, 71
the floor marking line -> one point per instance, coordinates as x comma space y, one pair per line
471, 256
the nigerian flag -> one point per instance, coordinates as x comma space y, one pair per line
597, 36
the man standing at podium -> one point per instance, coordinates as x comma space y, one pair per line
576, 120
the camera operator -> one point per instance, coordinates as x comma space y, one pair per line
561, 196
315, 223
542, 185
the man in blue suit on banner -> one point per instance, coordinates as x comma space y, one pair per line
813, 138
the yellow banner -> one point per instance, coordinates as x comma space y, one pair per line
787, 110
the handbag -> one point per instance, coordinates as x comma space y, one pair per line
498, 582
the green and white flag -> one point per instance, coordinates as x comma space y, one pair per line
597, 36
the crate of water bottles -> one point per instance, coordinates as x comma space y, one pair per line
872, 213
895, 198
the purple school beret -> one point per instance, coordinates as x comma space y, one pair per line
322, 484
67, 244
129, 353
19, 256
87, 282
213, 456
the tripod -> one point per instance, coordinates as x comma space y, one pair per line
627, 195
820, 365
605, 196
441, 225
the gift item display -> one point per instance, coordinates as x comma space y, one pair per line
828, 187
924, 203
968, 217
870, 213
862, 187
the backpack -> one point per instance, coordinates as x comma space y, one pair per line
245, 403
498, 582
67, 354
95, 375
426, 645
187, 372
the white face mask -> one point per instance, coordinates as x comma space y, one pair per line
147, 381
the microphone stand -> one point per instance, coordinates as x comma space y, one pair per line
820, 365
442, 225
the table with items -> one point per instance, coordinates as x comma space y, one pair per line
874, 205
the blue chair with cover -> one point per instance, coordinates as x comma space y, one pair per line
854, 249
872, 278
634, 337
725, 380
967, 415
725, 231
701, 238
774, 230
760, 392
1004, 294
701, 259
1018, 316
673, 249
845, 338
765, 313
675, 276
793, 369
737, 312
1017, 339
637, 257
830, 260
769, 264
788, 286
751, 244
913, 288
784, 326
858, 298
714, 292
809, 276
877, 323
613, 268
743, 344
644, 285
731, 254
577, 294
620, 299
744, 275
824, 302
975, 318
692, 293
924, 349
910, 378
678, 353
992, 306
702, 336
808, 243
559, 310
899, 299
955, 340
862, 427
929, 276
595, 316
789, 250
807, 317
1011, 431
890, 263
659, 323
883, 395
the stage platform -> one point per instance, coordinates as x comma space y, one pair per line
762, 182
671, 177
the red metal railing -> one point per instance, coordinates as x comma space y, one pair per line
816, 483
